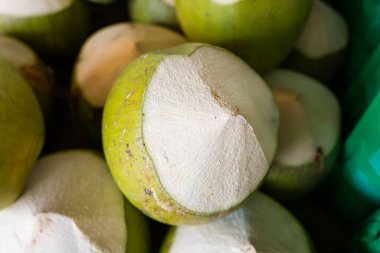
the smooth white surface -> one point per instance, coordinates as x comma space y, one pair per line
25, 8
261, 225
170, 2
71, 204
310, 117
325, 32
208, 127
17, 52
226, 2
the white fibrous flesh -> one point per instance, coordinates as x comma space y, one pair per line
226, 2
16, 52
261, 225
309, 117
325, 32
25, 8
209, 126
70, 204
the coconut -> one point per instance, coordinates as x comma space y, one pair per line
261, 32
70, 204
308, 134
189, 132
320, 50
52, 27
260, 225
32, 69
103, 57
160, 12
21, 132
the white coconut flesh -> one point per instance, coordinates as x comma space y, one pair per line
17, 52
325, 32
261, 225
28, 8
106, 54
170, 2
209, 125
309, 117
226, 2
70, 204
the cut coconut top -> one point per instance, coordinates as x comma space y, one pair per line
309, 117
325, 32
226, 2
170, 2
210, 127
26, 8
17, 52
261, 225
106, 54
70, 204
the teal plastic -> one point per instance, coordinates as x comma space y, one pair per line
363, 88
356, 186
367, 239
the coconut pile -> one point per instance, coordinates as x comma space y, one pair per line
169, 126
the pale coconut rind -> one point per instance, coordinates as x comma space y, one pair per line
288, 183
83, 211
262, 33
309, 136
320, 50
54, 34
265, 225
21, 132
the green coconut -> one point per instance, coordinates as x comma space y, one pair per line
71, 204
53, 28
320, 50
21, 132
261, 225
160, 12
261, 32
309, 134
102, 59
189, 132
38, 76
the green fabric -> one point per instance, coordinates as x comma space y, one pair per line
367, 239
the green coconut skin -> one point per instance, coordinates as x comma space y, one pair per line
153, 12
21, 132
137, 230
289, 183
261, 32
124, 147
54, 34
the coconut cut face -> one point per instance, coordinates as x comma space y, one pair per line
308, 134
207, 125
109, 51
46, 25
70, 204
260, 225
320, 49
